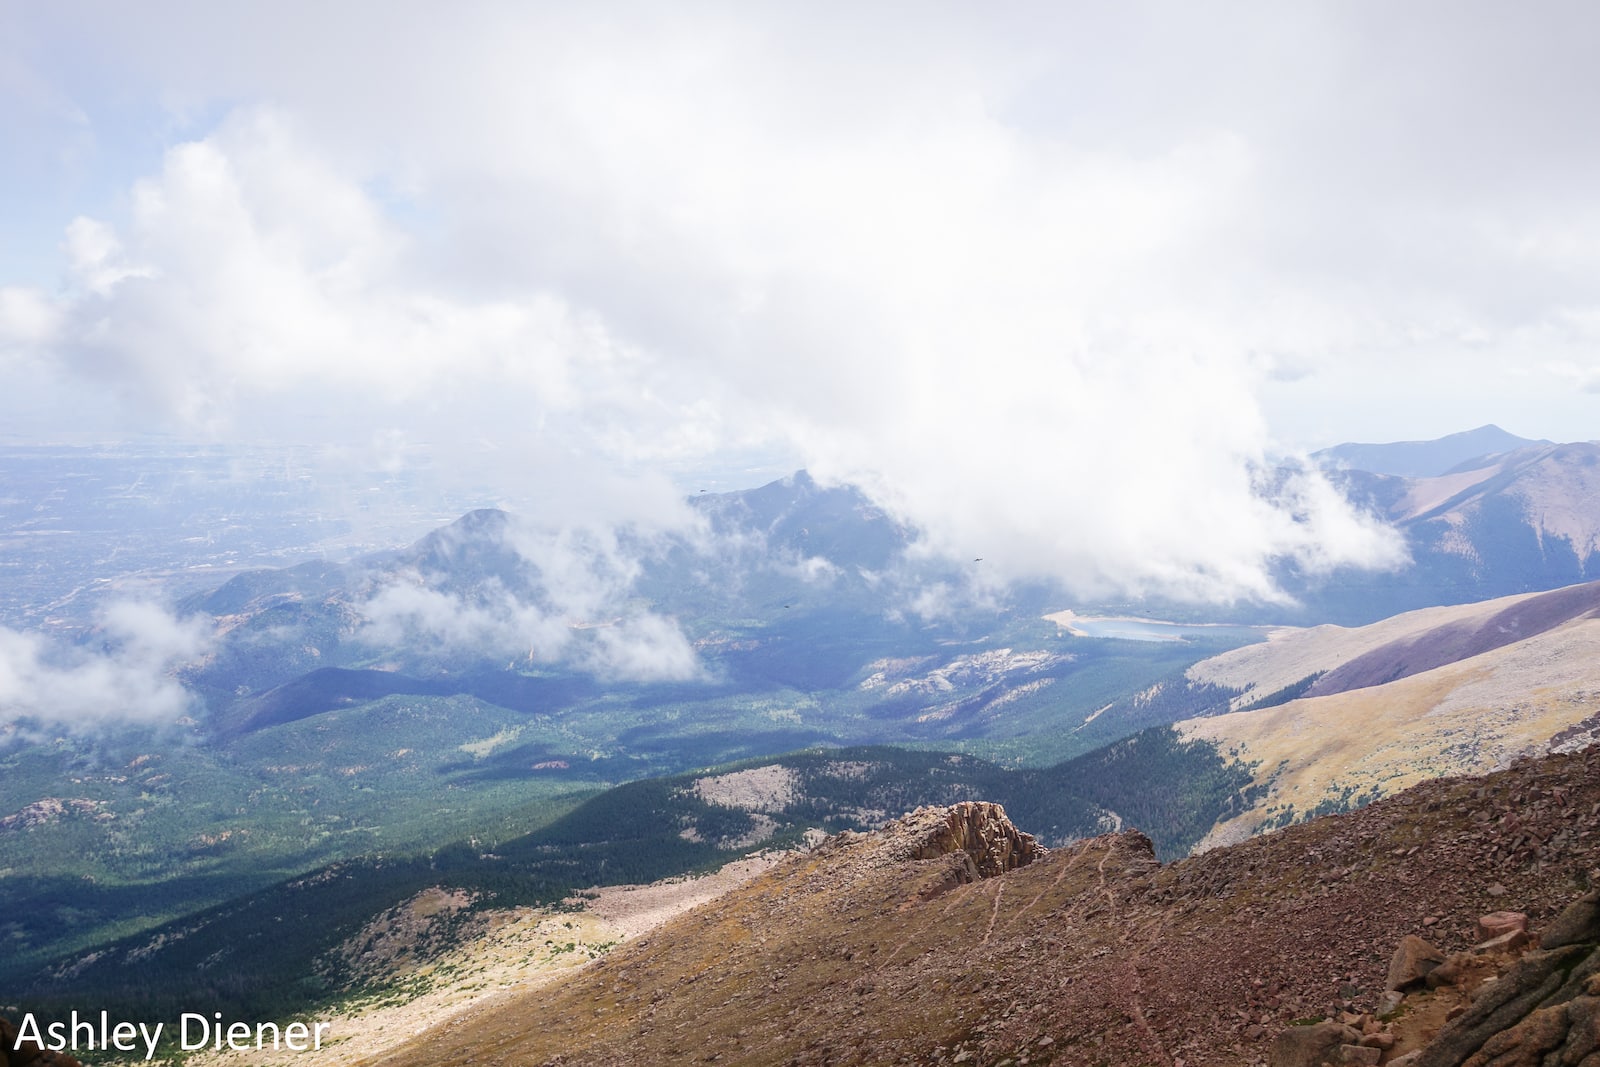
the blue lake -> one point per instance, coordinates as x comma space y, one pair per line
1132, 629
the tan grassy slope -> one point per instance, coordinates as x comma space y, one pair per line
1094, 954
1407, 644
1557, 486
1292, 653
1468, 716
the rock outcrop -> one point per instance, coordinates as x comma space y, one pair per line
1543, 1012
1501, 1003
980, 830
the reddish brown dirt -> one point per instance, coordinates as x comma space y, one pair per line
1092, 955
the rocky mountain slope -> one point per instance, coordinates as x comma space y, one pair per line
1526, 683
506, 953
948, 938
17, 1051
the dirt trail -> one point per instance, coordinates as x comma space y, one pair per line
1133, 955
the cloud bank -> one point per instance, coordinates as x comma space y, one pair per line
130, 678
556, 597
1055, 283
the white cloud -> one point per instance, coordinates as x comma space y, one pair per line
28, 320
249, 271
130, 679
95, 258
412, 616
567, 602
643, 647
1013, 272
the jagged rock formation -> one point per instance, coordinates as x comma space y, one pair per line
977, 829
27, 1053
864, 952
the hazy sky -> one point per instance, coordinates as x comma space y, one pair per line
1047, 278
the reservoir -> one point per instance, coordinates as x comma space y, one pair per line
1132, 628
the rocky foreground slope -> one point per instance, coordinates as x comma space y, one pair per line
952, 938
16, 1051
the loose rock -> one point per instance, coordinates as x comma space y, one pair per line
1311, 1046
1499, 923
1411, 963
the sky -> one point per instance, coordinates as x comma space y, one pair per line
1052, 281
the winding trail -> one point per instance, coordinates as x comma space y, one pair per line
1132, 957
1072, 862
999, 891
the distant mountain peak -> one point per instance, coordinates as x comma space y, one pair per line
1424, 459
482, 519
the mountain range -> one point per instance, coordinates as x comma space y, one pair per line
1307, 723
1509, 522
1441, 691
505, 714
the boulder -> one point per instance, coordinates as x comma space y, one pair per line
1312, 1046
1563, 1034
1449, 972
1583, 1028
1579, 924
1359, 1054
1509, 941
1412, 962
1499, 923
